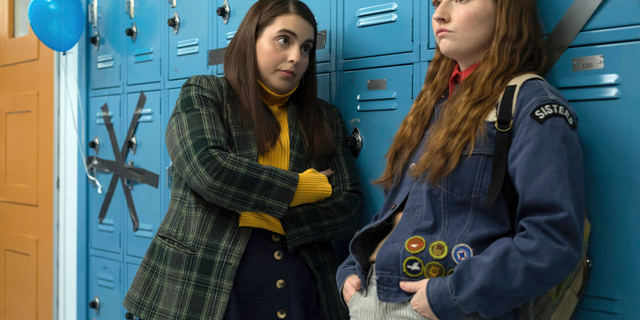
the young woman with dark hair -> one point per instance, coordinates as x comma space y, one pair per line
435, 250
263, 183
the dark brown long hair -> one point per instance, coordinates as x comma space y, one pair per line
517, 48
240, 68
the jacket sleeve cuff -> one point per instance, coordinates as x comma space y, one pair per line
442, 301
313, 187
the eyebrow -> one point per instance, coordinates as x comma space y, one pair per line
294, 34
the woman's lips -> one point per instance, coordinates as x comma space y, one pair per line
287, 73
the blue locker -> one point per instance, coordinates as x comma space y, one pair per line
105, 235
610, 14
322, 10
147, 199
375, 28
605, 97
105, 288
105, 55
144, 51
324, 87
226, 31
188, 42
375, 101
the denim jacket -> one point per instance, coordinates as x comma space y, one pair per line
507, 264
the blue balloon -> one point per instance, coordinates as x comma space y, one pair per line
57, 23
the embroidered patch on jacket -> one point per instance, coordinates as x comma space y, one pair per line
412, 266
544, 112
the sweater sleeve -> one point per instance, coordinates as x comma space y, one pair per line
313, 187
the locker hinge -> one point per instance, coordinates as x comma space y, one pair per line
58, 183
93, 13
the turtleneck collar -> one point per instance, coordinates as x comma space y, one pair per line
273, 99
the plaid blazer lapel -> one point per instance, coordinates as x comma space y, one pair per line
297, 160
242, 140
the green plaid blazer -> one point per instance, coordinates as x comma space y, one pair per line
189, 268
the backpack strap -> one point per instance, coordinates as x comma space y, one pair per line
503, 122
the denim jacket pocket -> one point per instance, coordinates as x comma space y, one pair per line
472, 175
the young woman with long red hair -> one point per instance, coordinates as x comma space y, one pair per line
435, 250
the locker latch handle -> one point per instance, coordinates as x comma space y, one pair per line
133, 144
174, 22
95, 40
355, 142
95, 144
224, 11
129, 182
132, 32
95, 304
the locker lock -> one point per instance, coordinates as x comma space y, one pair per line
95, 144
95, 304
174, 22
132, 32
354, 142
95, 40
133, 144
224, 11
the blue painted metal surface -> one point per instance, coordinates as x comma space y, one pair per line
145, 53
188, 48
227, 31
106, 65
147, 199
105, 283
606, 102
377, 114
106, 235
322, 10
610, 14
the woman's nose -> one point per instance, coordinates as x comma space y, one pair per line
441, 13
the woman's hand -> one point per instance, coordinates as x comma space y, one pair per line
419, 301
328, 172
351, 285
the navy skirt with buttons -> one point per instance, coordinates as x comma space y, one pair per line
272, 284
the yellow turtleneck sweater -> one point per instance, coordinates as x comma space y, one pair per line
313, 186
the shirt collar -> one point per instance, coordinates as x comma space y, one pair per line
458, 76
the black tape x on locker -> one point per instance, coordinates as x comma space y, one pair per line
119, 168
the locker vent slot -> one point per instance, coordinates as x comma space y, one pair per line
571, 81
385, 18
230, 36
388, 7
105, 61
143, 55
145, 230
100, 119
595, 87
106, 225
146, 115
106, 280
186, 47
377, 100
592, 93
